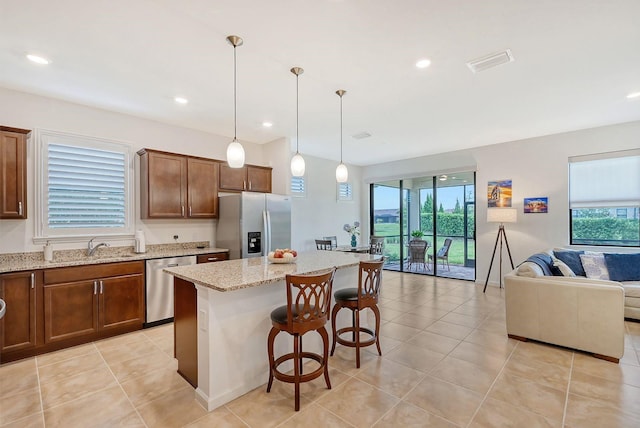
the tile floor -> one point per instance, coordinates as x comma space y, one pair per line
446, 362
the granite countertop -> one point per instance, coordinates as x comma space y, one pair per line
16, 262
236, 274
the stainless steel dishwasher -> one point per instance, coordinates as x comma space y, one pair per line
159, 289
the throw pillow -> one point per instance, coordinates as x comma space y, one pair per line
623, 267
572, 259
530, 270
594, 266
546, 264
566, 270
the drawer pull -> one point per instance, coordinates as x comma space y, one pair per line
101, 287
213, 259
95, 287
33, 280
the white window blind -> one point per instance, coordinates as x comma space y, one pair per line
607, 180
298, 186
345, 192
86, 187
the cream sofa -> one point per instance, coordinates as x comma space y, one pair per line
575, 312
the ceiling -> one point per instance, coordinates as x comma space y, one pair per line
575, 62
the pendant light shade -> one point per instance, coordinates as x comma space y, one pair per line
342, 174
235, 151
297, 161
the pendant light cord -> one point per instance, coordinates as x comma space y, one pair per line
297, 119
235, 96
340, 128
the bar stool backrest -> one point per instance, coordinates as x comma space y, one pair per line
369, 280
308, 301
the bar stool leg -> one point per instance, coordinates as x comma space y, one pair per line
334, 313
272, 337
376, 312
297, 361
356, 335
325, 342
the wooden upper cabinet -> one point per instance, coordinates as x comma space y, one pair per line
177, 186
202, 185
248, 178
13, 172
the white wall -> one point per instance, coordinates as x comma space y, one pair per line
319, 213
537, 166
22, 110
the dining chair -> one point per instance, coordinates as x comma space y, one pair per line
376, 245
333, 239
417, 253
443, 253
323, 244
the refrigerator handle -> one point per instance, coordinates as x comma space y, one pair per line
269, 227
266, 246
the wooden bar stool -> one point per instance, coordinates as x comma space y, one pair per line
357, 299
307, 309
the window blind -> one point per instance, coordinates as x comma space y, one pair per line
609, 180
86, 187
298, 186
345, 192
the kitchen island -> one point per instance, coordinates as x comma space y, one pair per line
222, 319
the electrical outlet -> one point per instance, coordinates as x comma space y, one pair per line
175, 237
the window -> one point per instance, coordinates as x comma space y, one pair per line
84, 187
298, 186
604, 199
345, 192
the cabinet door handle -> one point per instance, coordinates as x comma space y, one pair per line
189, 210
95, 287
244, 184
182, 210
212, 259
249, 184
101, 287
172, 265
33, 280
20, 208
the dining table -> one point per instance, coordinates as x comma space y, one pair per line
350, 249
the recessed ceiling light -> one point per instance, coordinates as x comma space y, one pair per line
267, 124
38, 59
423, 63
634, 95
181, 100
443, 177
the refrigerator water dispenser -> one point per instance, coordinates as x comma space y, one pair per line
254, 242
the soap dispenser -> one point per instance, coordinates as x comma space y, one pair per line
140, 246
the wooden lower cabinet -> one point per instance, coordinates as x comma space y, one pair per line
70, 310
121, 303
21, 327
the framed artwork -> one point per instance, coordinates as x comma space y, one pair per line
536, 205
499, 194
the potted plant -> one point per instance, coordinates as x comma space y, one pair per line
417, 234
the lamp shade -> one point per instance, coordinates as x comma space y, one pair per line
235, 154
297, 165
502, 215
342, 174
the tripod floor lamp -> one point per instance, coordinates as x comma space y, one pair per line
500, 215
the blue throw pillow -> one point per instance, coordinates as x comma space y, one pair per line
546, 264
623, 267
572, 259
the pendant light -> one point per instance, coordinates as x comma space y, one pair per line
297, 161
235, 151
342, 174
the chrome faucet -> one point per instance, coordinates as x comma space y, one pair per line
91, 249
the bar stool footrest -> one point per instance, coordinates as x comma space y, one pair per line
303, 377
351, 343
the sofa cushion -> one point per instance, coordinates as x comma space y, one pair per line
623, 267
572, 259
594, 266
564, 268
632, 289
545, 261
530, 270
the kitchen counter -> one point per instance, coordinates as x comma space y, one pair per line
222, 319
237, 274
16, 262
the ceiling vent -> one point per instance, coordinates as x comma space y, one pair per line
490, 61
361, 135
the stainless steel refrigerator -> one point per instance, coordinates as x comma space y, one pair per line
252, 224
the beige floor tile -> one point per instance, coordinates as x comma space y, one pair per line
460, 319
314, 415
452, 402
434, 342
121, 341
583, 412
19, 405
415, 357
65, 354
617, 394
218, 418
545, 353
537, 371
440, 305
173, 409
70, 367
317, 388
142, 365
368, 403
464, 373
630, 357
18, 377
159, 332
389, 314
398, 331
448, 329
258, 408
408, 415
428, 312
399, 306
492, 340
496, 413
116, 354
344, 359
165, 345
625, 373
35, 420
393, 378
532, 396
107, 408
70, 388
415, 321
155, 384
